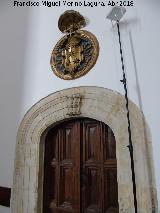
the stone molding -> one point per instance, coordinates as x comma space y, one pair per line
73, 104
93, 102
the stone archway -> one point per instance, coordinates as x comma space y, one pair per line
93, 102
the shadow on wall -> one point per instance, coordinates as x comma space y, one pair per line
13, 41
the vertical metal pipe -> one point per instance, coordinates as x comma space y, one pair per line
130, 146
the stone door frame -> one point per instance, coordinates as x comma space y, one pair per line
94, 102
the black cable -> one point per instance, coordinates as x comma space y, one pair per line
130, 146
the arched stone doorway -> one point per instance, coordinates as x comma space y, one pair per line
92, 102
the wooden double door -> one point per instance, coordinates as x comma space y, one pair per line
80, 169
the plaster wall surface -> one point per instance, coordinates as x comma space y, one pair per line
27, 38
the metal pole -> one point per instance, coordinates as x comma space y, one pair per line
130, 146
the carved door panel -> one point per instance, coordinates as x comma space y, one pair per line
100, 190
62, 169
80, 171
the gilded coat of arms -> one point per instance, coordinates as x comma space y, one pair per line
76, 53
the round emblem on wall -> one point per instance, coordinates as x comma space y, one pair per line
74, 55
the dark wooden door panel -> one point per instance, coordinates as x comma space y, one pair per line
100, 168
91, 166
110, 189
69, 186
50, 171
93, 202
91, 142
62, 169
109, 144
5, 194
80, 168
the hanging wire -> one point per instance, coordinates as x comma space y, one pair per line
130, 146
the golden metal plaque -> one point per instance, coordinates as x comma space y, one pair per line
76, 53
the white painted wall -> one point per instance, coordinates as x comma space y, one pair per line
27, 36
